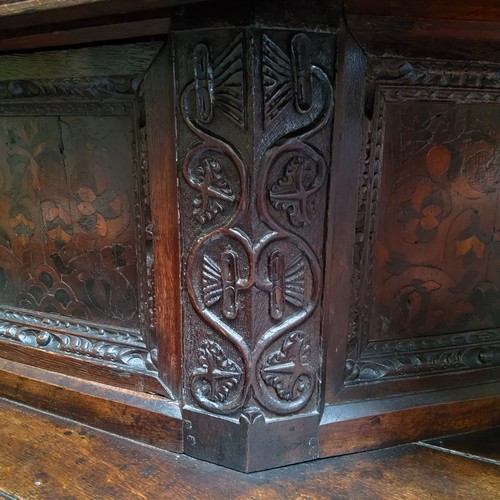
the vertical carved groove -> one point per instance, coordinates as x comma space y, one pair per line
277, 275
302, 72
229, 272
203, 83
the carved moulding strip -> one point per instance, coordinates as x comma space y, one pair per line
58, 323
397, 81
365, 232
425, 356
69, 96
115, 87
402, 94
82, 108
108, 348
144, 225
441, 74
121, 347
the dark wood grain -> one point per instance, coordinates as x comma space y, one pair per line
91, 61
405, 261
47, 457
353, 427
63, 35
271, 229
161, 133
436, 38
35, 13
340, 252
72, 220
140, 416
486, 10
479, 445
114, 376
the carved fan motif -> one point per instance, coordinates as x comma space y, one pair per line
212, 281
220, 84
277, 80
220, 282
228, 82
287, 283
294, 281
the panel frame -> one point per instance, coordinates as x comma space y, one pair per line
377, 81
119, 356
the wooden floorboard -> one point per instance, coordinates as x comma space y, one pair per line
47, 457
483, 445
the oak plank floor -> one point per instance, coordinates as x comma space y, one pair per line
47, 457
483, 445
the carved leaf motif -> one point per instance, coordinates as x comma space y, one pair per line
287, 370
218, 373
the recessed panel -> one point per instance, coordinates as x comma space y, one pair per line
436, 265
67, 227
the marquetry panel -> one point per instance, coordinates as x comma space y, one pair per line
75, 223
426, 294
67, 217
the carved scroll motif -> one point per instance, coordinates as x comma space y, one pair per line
253, 276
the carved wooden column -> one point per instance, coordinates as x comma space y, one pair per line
254, 121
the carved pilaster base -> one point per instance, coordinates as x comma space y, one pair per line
251, 442
255, 114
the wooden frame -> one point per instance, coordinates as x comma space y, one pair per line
260, 181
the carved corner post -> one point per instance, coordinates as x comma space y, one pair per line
254, 122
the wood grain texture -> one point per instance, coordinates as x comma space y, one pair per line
48, 457
485, 10
144, 417
62, 35
106, 60
161, 133
29, 13
479, 445
339, 253
436, 38
85, 369
373, 424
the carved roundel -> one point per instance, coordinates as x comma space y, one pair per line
286, 379
296, 174
214, 177
216, 383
